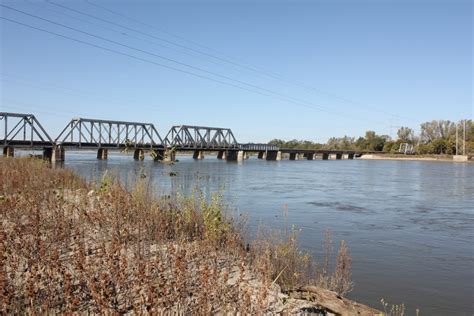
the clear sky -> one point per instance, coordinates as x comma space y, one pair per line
306, 69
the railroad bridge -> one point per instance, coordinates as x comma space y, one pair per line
24, 131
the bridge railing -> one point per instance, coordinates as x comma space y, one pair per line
259, 147
22, 130
82, 132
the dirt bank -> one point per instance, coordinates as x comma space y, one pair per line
412, 158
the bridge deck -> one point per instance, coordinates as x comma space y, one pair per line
25, 144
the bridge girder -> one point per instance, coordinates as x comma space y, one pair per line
22, 130
94, 133
200, 137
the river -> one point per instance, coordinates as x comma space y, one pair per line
409, 224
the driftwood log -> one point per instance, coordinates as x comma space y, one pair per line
330, 303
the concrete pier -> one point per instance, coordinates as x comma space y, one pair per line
102, 154
274, 155
350, 156
262, 155
460, 158
221, 155
139, 154
236, 155
198, 155
293, 156
54, 154
231, 155
8, 151
158, 155
170, 155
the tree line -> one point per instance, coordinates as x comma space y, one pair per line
435, 137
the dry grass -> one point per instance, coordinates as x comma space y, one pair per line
278, 254
394, 309
71, 246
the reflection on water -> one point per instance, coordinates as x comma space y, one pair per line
409, 225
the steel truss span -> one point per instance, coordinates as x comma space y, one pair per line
22, 130
93, 133
200, 137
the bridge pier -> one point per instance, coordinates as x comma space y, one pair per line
221, 155
262, 155
325, 156
8, 151
350, 156
235, 155
139, 154
274, 155
310, 156
54, 154
294, 156
198, 155
232, 155
102, 154
158, 155
170, 155
338, 156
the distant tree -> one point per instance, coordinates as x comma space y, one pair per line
439, 146
441, 129
436, 137
374, 142
406, 135
346, 143
390, 146
361, 143
295, 144
276, 142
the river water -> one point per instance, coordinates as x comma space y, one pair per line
409, 225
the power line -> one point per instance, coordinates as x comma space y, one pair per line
273, 93
251, 68
158, 56
161, 30
59, 12
146, 34
43, 85
142, 59
63, 90
30, 108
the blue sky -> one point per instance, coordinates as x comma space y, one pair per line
315, 69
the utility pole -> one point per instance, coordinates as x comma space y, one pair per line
464, 144
457, 124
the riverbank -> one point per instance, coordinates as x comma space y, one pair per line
439, 158
72, 246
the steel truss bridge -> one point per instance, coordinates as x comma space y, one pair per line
24, 131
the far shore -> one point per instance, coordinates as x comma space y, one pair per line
414, 158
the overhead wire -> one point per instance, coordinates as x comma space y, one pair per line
122, 33
153, 54
240, 64
272, 93
42, 85
129, 55
143, 33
